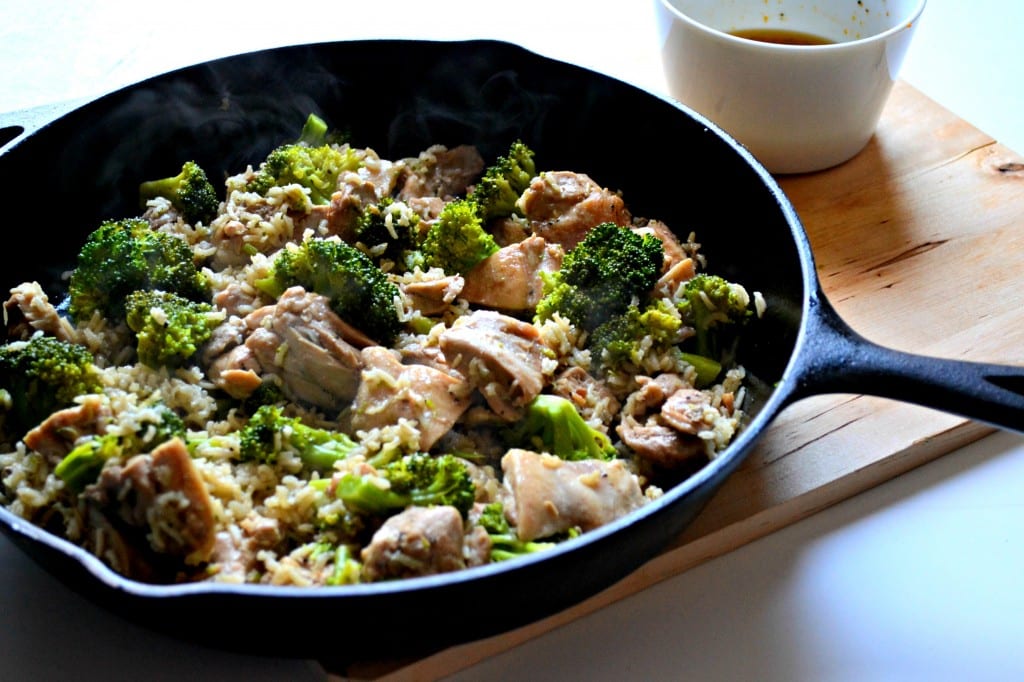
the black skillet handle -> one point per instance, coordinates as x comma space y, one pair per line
15, 125
839, 360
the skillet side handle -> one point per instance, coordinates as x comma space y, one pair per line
19, 124
839, 360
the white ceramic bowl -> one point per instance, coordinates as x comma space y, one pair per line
797, 108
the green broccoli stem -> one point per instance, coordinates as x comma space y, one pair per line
706, 368
347, 570
366, 496
505, 546
322, 456
314, 131
83, 464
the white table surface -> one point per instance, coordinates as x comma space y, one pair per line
921, 578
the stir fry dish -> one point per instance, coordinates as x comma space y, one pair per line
333, 368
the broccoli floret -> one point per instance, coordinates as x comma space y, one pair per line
504, 182
269, 392
715, 308
602, 276
269, 432
169, 329
83, 464
40, 376
419, 479
122, 256
624, 340
315, 161
505, 544
551, 424
190, 191
388, 230
359, 291
564, 299
457, 240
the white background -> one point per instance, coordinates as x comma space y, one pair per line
918, 579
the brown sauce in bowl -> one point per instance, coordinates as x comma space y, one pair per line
781, 36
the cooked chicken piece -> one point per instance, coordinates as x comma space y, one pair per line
552, 495
508, 231
662, 418
158, 498
235, 233
500, 355
686, 411
302, 341
56, 436
339, 217
659, 444
653, 392
230, 364
442, 172
382, 173
415, 353
28, 310
237, 372
563, 206
227, 335
234, 299
674, 251
591, 396
432, 296
305, 346
427, 208
510, 278
418, 541
235, 548
676, 276
390, 390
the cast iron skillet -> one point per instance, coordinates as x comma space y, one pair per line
399, 97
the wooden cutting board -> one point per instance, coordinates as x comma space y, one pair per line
919, 242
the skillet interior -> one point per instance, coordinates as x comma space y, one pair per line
399, 97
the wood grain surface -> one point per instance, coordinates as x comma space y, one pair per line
919, 243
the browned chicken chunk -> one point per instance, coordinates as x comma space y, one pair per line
500, 355
441, 172
390, 391
675, 277
432, 296
563, 206
236, 548
589, 395
155, 505
552, 495
303, 342
56, 436
510, 279
662, 418
418, 541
